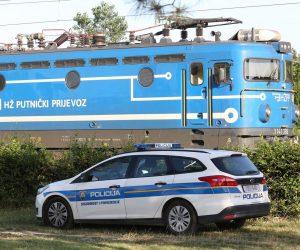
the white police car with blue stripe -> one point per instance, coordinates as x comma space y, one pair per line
162, 184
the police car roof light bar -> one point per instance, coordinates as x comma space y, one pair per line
145, 146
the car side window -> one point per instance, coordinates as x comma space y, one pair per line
111, 170
147, 166
186, 165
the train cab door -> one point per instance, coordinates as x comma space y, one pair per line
196, 94
221, 87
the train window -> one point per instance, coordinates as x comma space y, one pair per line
146, 77
222, 73
72, 80
288, 71
2, 82
258, 69
169, 58
35, 65
103, 61
69, 63
136, 59
196, 73
7, 66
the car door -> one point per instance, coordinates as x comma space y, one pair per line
151, 176
100, 191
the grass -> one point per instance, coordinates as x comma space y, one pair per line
20, 230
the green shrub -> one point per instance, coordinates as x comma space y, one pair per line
24, 166
77, 158
280, 162
21, 171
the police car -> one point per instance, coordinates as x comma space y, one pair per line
162, 184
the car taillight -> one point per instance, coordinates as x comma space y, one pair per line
219, 181
263, 180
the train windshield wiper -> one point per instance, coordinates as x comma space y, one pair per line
272, 76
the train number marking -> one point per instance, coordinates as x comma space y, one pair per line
281, 131
282, 97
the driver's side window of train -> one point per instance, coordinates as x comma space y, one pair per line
196, 71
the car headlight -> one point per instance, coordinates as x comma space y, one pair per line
42, 189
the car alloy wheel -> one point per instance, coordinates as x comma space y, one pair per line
179, 219
58, 213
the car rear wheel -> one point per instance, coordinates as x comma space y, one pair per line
180, 218
231, 224
58, 213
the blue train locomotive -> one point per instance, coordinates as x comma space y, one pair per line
198, 93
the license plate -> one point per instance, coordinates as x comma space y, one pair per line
251, 188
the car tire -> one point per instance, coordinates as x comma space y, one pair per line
58, 213
231, 224
181, 218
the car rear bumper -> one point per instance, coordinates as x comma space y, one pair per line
238, 212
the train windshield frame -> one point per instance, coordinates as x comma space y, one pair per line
288, 71
262, 70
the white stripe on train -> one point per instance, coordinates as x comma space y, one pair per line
230, 115
167, 76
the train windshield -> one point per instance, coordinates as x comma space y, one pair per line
262, 69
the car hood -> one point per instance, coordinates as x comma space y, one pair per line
60, 183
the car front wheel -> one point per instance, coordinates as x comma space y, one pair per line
58, 213
181, 218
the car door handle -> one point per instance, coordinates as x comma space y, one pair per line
160, 183
114, 186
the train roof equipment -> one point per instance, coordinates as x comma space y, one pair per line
98, 39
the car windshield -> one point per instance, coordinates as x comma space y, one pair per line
262, 70
236, 165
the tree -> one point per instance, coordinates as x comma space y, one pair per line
296, 76
105, 19
162, 9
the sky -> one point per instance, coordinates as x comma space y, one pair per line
283, 18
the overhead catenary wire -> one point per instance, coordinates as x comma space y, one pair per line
246, 7
145, 14
227, 8
38, 22
32, 2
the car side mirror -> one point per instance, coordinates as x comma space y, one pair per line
84, 177
93, 178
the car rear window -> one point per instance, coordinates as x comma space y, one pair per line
236, 165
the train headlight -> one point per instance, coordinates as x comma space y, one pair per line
284, 47
297, 113
264, 113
